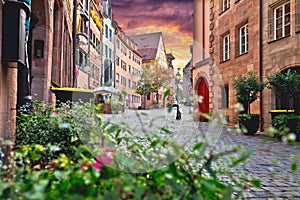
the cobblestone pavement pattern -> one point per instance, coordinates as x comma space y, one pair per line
271, 162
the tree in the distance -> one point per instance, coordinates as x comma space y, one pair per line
152, 79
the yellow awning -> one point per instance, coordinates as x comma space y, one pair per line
70, 89
282, 111
78, 20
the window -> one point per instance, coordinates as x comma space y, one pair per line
106, 31
84, 26
106, 51
282, 21
129, 83
117, 60
82, 59
118, 44
110, 53
225, 96
226, 48
243, 39
87, 5
225, 4
110, 34
117, 78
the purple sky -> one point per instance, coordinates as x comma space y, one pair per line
131, 14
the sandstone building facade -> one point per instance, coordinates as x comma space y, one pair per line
233, 37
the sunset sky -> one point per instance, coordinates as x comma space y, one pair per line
171, 17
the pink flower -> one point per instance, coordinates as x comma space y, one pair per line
56, 112
68, 108
84, 167
104, 160
109, 150
52, 164
97, 166
13, 148
120, 190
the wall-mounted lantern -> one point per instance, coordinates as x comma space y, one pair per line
38, 48
14, 17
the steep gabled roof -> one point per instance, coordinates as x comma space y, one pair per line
147, 44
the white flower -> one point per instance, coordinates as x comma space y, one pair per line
291, 137
64, 125
200, 99
239, 107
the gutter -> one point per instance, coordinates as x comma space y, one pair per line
261, 63
74, 41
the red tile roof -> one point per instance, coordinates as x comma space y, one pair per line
147, 45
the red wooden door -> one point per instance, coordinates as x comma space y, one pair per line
203, 92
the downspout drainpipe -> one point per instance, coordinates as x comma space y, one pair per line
203, 29
24, 92
261, 62
74, 41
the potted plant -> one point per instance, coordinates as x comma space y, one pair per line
286, 86
247, 91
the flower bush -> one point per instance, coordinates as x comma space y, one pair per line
70, 169
56, 127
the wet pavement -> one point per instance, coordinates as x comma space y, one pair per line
271, 162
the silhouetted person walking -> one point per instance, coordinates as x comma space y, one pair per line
178, 113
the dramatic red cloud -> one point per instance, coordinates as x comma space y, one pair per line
171, 17
132, 14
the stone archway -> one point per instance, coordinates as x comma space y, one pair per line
41, 59
294, 103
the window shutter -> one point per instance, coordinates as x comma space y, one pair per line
221, 6
271, 24
221, 49
237, 41
297, 16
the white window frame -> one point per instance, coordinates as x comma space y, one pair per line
226, 47
225, 4
284, 24
243, 43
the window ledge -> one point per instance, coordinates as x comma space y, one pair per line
275, 40
239, 55
223, 61
223, 11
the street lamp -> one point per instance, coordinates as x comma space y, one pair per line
178, 75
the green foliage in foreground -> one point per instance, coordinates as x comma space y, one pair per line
34, 173
281, 124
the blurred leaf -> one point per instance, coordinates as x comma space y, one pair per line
294, 167
198, 146
166, 130
244, 156
139, 192
3, 187
167, 93
170, 107
214, 186
41, 185
176, 186
256, 183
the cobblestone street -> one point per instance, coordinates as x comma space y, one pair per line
271, 161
